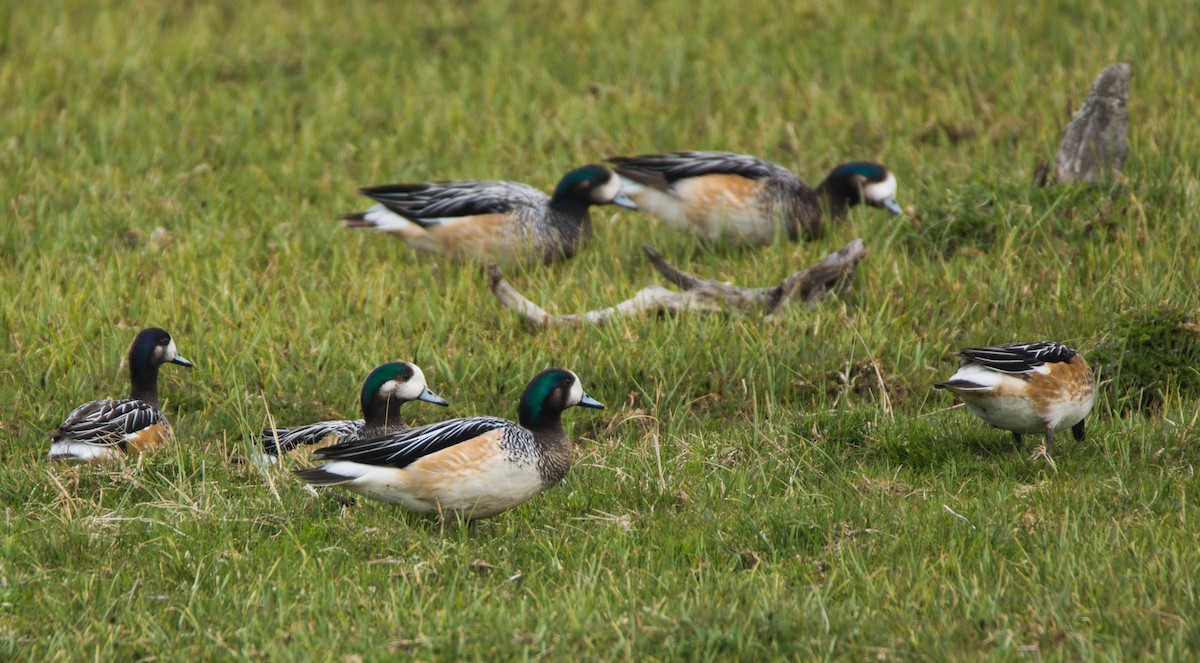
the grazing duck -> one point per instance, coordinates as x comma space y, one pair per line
387, 388
490, 220
1027, 388
103, 430
743, 198
470, 468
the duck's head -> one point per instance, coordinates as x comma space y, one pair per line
397, 381
152, 348
861, 182
549, 393
592, 184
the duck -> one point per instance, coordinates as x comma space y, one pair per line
493, 221
723, 196
1026, 388
470, 468
110, 429
386, 388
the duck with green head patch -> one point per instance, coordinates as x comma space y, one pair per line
110, 429
492, 220
387, 388
469, 468
725, 196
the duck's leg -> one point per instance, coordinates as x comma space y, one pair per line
1045, 449
1077, 431
344, 500
1018, 439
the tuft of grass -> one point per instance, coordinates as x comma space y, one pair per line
1154, 358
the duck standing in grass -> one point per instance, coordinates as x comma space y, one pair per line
721, 195
387, 388
468, 468
491, 220
1027, 388
103, 430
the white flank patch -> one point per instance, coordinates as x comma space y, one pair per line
881, 191
629, 187
351, 471
387, 220
667, 208
262, 459
986, 378
82, 452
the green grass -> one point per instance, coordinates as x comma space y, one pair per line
736, 499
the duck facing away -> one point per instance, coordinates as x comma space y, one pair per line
109, 429
468, 468
1027, 388
493, 220
386, 388
721, 195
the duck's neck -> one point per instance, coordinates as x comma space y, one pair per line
554, 447
569, 206
834, 196
143, 378
571, 219
382, 415
805, 210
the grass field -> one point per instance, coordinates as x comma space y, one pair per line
183, 165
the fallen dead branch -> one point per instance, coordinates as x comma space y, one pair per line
834, 274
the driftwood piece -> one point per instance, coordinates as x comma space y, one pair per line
1095, 143
834, 274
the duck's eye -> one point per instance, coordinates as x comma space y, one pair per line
164, 341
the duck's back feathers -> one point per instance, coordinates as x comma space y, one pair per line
280, 441
406, 447
681, 165
428, 203
107, 423
1018, 358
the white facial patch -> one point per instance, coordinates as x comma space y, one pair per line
576, 394
608, 190
410, 389
171, 353
880, 191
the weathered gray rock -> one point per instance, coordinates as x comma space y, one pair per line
1096, 143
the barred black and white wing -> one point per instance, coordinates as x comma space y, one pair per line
1017, 358
405, 447
107, 423
281, 441
679, 165
428, 203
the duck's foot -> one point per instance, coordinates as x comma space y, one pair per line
1041, 453
342, 499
